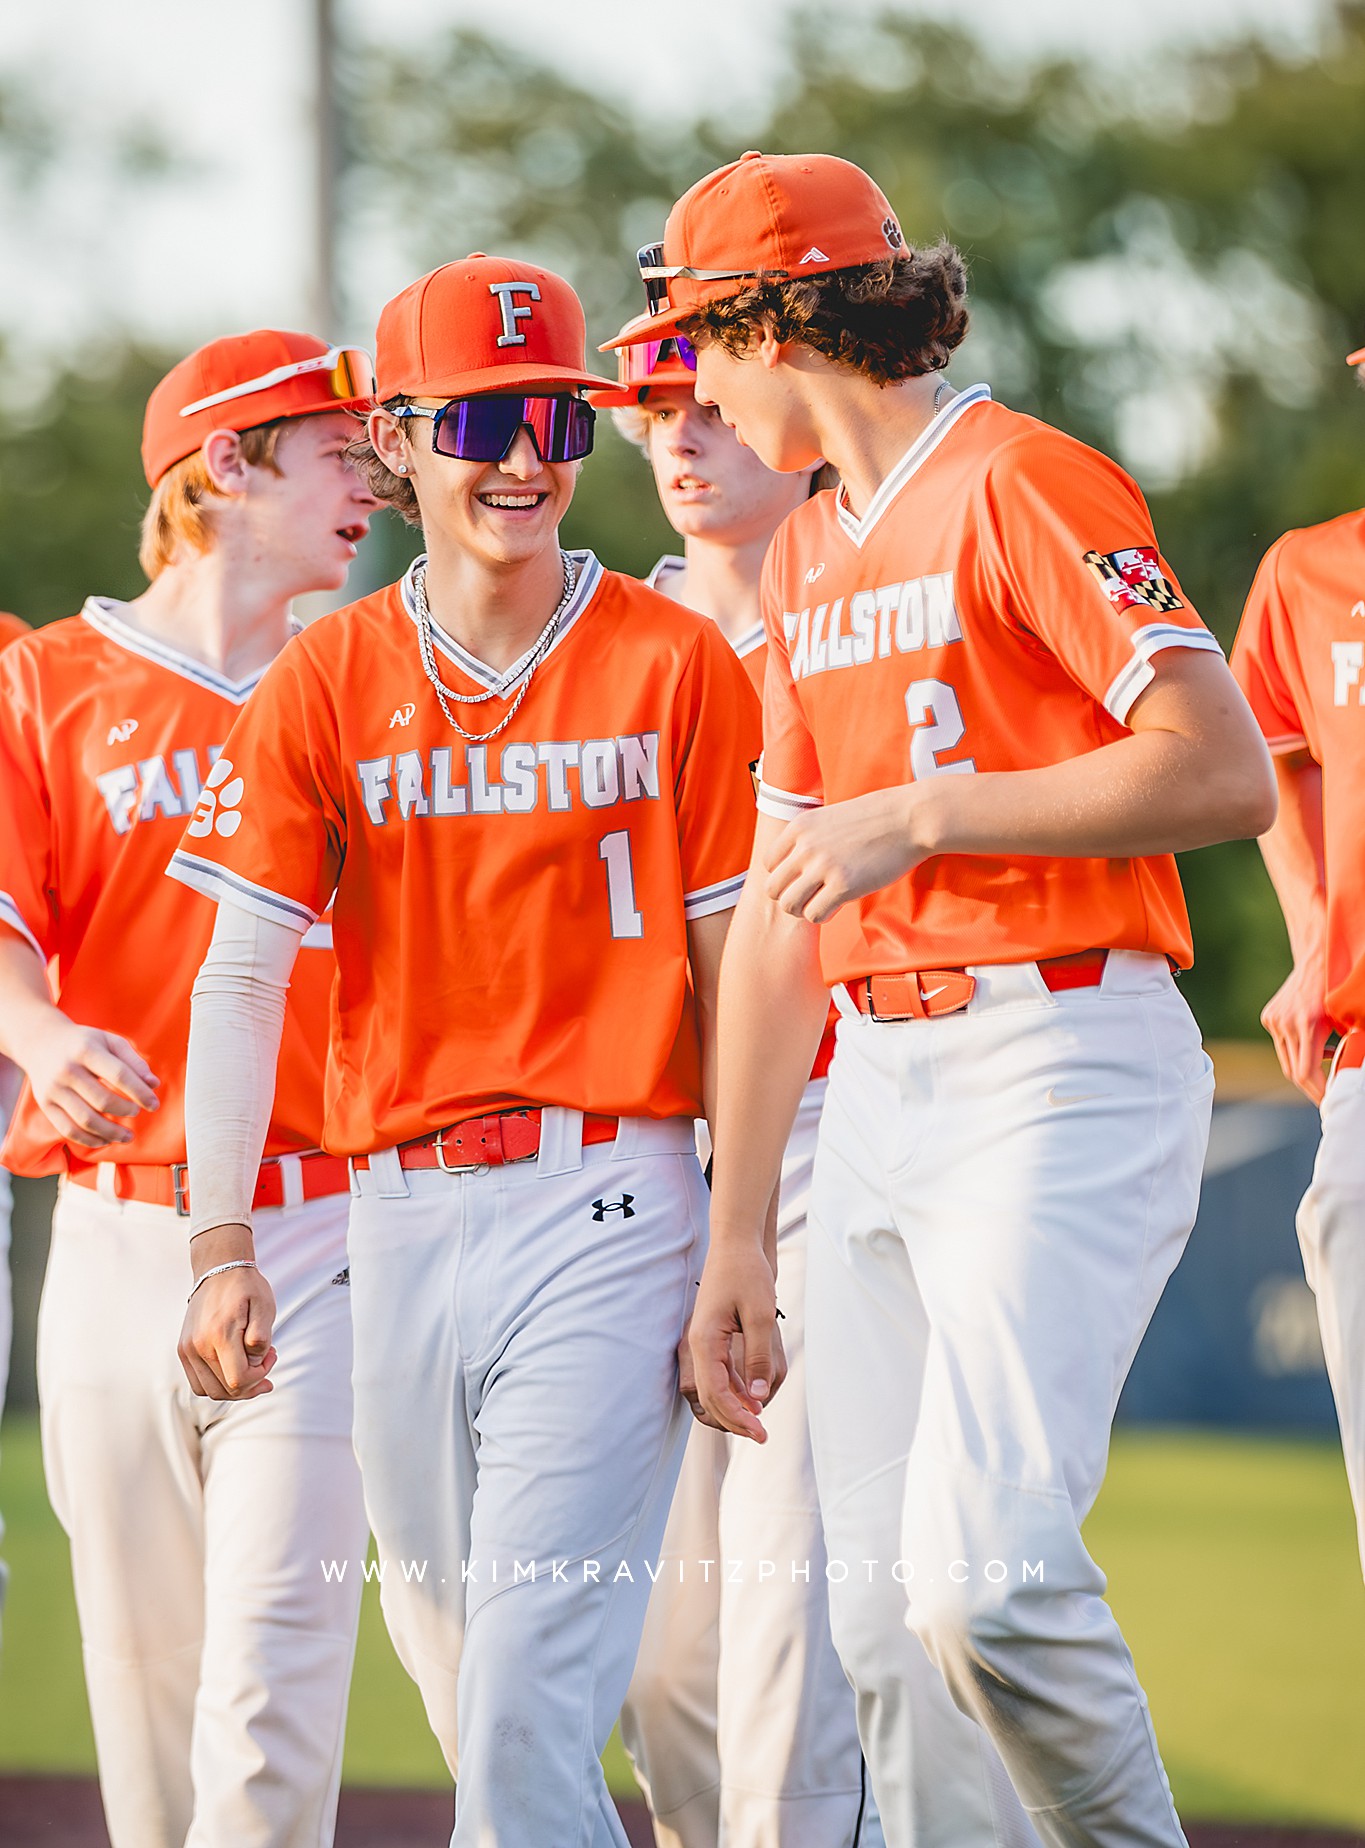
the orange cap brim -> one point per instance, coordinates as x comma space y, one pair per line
661, 326
486, 379
1357, 358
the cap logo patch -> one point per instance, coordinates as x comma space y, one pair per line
814, 255
1133, 576
892, 232
513, 311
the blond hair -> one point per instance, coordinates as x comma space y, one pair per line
175, 514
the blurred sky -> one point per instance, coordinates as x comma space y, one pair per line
227, 87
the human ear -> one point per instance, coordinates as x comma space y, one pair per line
388, 439
770, 350
224, 464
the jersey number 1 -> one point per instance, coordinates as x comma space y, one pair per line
614, 851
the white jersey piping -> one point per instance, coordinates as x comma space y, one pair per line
101, 614
909, 465
221, 886
589, 577
1138, 674
10, 914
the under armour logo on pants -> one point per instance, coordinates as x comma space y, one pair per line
624, 1206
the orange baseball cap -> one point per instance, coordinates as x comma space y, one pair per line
1357, 358
774, 215
479, 325
244, 380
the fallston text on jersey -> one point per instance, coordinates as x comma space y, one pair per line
920, 613
596, 772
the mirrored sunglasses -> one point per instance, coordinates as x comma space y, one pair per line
484, 428
639, 362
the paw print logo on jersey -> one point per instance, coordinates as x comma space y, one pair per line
218, 810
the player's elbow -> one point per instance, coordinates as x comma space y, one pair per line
1240, 798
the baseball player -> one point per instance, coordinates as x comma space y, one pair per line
1300, 660
11, 628
990, 716
217, 1652
526, 779
739, 1717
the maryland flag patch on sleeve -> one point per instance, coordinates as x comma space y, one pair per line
1134, 576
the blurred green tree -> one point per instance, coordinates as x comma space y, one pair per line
1166, 260
71, 488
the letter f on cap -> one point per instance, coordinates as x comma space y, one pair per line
512, 312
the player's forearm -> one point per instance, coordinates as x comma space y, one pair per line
1294, 856
773, 1005
236, 1022
27, 1009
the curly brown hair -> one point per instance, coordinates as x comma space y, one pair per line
897, 318
396, 491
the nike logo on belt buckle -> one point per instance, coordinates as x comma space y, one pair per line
915, 994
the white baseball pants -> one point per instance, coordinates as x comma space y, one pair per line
1331, 1222
999, 1198
217, 1653
520, 1431
739, 1718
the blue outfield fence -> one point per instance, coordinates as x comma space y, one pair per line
1234, 1341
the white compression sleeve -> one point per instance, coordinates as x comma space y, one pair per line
236, 1021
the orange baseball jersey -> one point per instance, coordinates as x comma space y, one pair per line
510, 916
997, 607
1300, 659
106, 737
751, 648
12, 629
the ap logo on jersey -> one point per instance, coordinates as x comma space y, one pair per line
217, 810
1133, 576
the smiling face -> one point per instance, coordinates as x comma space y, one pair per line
503, 513
710, 485
759, 397
308, 513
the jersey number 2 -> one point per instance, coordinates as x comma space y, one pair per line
937, 725
614, 851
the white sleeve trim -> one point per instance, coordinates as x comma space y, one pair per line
723, 896
226, 888
1139, 674
236, 1023
783, 805
1288, 741
11, 915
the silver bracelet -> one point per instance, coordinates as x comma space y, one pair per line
218, 1269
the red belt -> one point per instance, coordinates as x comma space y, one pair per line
1352, 1052
321, 1175
923, 994
488, 1141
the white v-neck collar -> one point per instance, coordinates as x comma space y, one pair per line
909, 465
589, 577
102, 614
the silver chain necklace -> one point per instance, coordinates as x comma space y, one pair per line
445, 694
